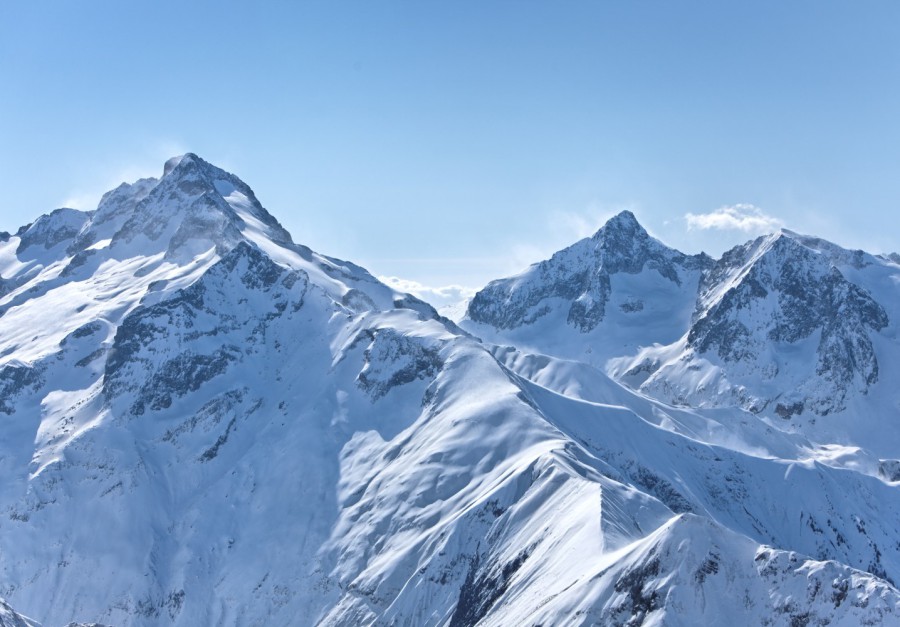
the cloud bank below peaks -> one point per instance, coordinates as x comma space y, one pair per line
437, 296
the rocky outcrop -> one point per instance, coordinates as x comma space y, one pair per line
776, 292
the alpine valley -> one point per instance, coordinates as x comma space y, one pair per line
206, 423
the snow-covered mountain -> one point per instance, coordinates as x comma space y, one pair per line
601, 297
207, 423
781, 321
790, 327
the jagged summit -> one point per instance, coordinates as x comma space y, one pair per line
156, 235
194, 207
52, 229
622, 244
782, 290
579, 278
10, 618
693, 330
175, 161
190, 164
194, 175
623, 222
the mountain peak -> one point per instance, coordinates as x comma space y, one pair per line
623, 223
579, 277
213, 206
163, 372
624, 218
785, 288
194, 175
189, 159
56, 227
192, 207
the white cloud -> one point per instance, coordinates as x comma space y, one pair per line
574, 225
741, 217
437, 296
85, 201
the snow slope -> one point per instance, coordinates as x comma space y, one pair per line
209, 424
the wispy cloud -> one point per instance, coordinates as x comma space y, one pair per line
562, 228
85, 201
571, 226
741, 217
437, 296
106, 178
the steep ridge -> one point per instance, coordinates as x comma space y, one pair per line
778, 489
206, 423
10, 618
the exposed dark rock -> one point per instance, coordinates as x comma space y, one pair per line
643, 598
181, 375
889, 469
709, 566
135, 362
392, 360
658, 486
483, 587
789, 410
16, 381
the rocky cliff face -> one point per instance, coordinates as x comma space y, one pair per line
775, 292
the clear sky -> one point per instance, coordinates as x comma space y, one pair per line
455, 142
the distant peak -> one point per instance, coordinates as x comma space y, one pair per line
173, 163
781, 240
195, 176
623, 224
624, 217
186, 163
188, 159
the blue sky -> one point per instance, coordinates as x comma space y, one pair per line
455, 142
